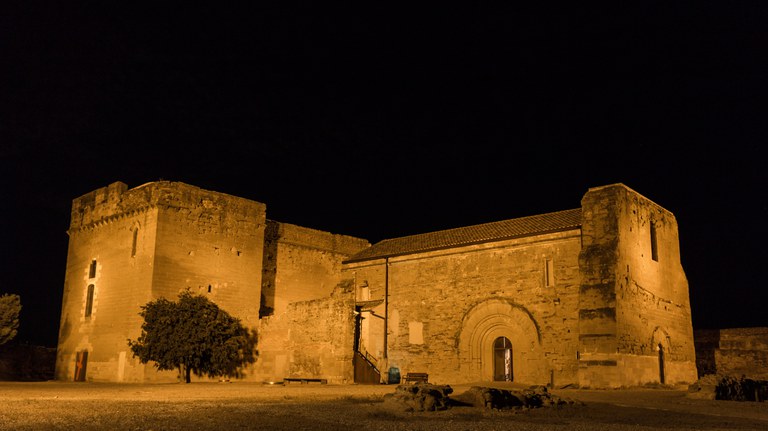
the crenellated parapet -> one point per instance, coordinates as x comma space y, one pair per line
116, 201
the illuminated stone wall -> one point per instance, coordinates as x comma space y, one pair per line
212, 244
101, 231
307, 309
614, 313
447, 307
733, 352
151, 241
311, 339
617, 302
634, 295
301, 264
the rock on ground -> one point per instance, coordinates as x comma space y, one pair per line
492, 398
704, 388
418, 397
421, 397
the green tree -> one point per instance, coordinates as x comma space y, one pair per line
10, 307
195, 336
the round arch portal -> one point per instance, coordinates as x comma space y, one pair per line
490, 320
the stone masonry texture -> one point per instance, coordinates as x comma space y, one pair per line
734, 352
594, 296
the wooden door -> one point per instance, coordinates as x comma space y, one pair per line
81, 363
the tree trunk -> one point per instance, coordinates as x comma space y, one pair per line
187, 372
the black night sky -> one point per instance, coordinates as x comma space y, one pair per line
383, 122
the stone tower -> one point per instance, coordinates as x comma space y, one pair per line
594, 296
128, 247
634, 309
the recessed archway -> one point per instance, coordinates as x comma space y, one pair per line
490, 320
662, 343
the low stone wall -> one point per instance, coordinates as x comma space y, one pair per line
27, 363
312, 339
734, 352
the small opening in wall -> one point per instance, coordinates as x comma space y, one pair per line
92, 269
549, 273
89, 301
209, 288
654, 245
134, 241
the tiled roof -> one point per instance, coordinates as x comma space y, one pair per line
495, 231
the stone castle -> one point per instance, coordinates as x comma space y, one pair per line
594, 296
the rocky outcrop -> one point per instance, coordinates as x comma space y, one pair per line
704, 388
492, 398
428, 397
419, 397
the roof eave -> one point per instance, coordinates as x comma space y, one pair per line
485, 241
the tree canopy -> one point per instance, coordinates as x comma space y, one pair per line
195, 335
10, 307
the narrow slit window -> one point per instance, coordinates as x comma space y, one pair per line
89, 301
654, 244
549, 273
135, 241
92, 269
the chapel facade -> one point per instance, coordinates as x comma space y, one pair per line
592, 296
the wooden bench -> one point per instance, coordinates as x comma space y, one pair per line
416, 377
305, 380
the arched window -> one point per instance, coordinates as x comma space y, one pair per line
502, 360
135, 241
89, 301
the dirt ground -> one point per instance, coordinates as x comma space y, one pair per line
252, 406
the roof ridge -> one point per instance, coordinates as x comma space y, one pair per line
465, 235
480, 224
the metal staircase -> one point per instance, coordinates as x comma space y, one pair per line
366, 371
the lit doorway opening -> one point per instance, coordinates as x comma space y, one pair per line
502, 360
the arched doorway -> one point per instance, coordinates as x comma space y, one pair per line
502, 360
481, 328
661, 340
661, 364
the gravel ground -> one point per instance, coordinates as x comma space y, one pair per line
251, 406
